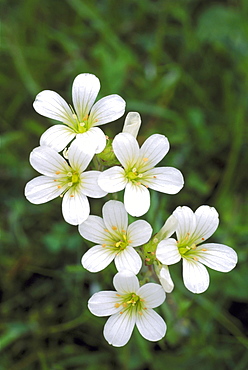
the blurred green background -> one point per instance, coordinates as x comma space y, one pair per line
183, 65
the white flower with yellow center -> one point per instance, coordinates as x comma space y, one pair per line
130, 304
116, 239
87, 115
138, 172
192, 230
66, 180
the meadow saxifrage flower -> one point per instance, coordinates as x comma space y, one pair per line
115, 239
67, 180
128, 306
84, 118
138, 172
192, 230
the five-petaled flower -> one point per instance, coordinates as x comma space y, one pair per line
61, 179
116, 239
87, 115
138, 172
130, 304
192, 230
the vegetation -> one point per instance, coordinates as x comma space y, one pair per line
183, 65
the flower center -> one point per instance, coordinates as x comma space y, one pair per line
134, 175
131, 301
121, 244
183, 250
73, 178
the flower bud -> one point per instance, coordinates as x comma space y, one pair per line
132, 123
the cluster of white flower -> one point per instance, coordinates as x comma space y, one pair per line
120, 164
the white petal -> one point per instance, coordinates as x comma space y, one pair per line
207, 221
95, 137
126, 282
168, 228
150, 325
132, 123
103, 303
84, 92
195, 276
80, 157
94, 230
42, 189
167, 180
128, 259
107, 109
153, 151
115, 217
48, 162
153, 295
138, 233
167, 252
118, 328
57, 137
136, 199
50, 104
90, 184
112, 180
75, 207
97, 258
126, 149
165, 278
219, 257
186, 222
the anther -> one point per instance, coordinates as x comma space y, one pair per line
117, 305
138, 183
196, 259
59, 186
204, 249
154, 177
145, 159
57, 172
71, 195
104, 245
202, 238
114, 228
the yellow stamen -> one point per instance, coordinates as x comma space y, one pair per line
57, 172
117, 305
140, 313
114, 228
196, 259
71, 195
59, 186
104, 245
145, 159
204, 249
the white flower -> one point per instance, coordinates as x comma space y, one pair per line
139, 173
116, 240
87, 115
59, 178
192, 230
130, 304
132, 123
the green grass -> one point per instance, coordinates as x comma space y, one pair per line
183, 65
